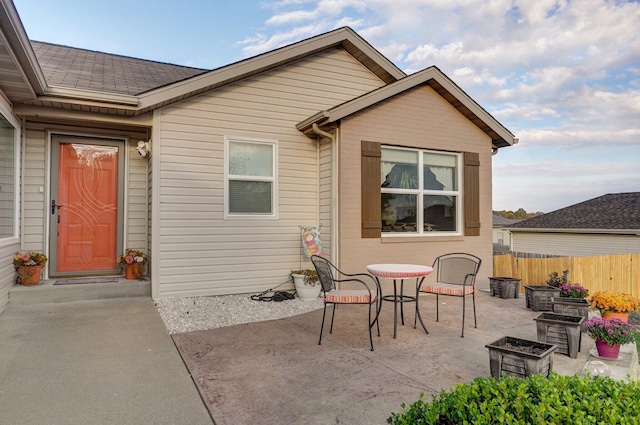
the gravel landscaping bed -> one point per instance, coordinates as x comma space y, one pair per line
202, 313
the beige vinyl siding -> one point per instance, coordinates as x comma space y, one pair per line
33, 200
418, 118
137, 225
7, 273
200, 253
574, 245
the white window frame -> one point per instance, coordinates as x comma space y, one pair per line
420, 192
273, 179
5, 110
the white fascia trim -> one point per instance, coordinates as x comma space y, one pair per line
635, 232
145, 120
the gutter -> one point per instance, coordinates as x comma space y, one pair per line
334, 179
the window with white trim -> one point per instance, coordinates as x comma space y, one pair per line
426, 202
8, 178
250, 178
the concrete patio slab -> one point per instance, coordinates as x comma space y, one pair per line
275, 372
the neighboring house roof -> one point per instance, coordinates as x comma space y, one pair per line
432, 77
614, 212
500, 221
89, 70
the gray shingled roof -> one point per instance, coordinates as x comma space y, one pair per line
613, 211
86, 69
499, 220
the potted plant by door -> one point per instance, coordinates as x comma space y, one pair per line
28, 265
609, 335
614, 304
132, 261
306, 283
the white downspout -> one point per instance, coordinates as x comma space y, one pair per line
334, 175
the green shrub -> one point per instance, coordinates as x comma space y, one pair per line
558, 399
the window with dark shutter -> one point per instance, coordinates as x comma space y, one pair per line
425, 203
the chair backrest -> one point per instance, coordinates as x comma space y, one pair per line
325, 271
457, 268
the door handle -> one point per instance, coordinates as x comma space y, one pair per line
54, 206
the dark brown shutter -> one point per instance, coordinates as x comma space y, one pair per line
370, 174
471, 194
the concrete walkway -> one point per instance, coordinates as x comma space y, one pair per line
93, 362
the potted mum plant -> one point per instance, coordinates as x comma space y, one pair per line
614, 304
572, 300
609, 335
29, 266
306, 283
132, 261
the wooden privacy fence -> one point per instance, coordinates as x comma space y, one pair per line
618, 273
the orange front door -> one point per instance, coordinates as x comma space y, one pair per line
85, 208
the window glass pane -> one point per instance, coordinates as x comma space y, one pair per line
399, 169
399, 212
439, 213
250, 159
7, 178
250, 197
439, 171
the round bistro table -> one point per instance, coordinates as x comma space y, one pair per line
400, 272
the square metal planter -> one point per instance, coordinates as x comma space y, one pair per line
504, 287
571, 306
538, 297
520, 357
562, 330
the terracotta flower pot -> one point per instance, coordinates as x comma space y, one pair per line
29, 275
132, 271
607, 351
615, 315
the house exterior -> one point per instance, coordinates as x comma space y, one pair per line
324, 132
608, 224
501, 234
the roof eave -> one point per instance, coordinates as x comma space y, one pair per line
343, 37
16, 38
59, 94
500, 136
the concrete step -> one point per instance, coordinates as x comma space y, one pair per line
47, 292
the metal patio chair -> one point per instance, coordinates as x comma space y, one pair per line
455, 276
369, 292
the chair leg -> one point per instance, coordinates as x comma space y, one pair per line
437, 309
333, 314
475, 322
418, 316
463, 309
324, 312
370, 326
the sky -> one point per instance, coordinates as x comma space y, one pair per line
562, 76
